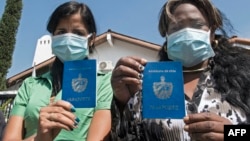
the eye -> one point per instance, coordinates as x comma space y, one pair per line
59, 32
197, 24
79, 32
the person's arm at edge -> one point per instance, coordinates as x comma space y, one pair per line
14, 130
100, 126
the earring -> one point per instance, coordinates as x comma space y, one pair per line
215, 43
165, 48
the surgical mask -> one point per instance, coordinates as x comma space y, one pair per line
69, 47
189, 46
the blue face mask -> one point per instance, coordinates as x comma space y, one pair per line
69, 47
189, 46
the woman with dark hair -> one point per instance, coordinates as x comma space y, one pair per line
38, 112
216, 78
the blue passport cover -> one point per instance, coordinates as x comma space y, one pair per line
79, 83
163, 90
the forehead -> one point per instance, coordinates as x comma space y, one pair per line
187, 11
72, 21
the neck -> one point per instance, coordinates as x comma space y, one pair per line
195, 70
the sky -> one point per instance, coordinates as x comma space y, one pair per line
135, 18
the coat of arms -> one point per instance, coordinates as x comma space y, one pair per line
162, 89
79, 84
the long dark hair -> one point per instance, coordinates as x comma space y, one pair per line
230, 68
63, 11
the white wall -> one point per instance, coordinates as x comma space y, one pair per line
43, 50
104, 52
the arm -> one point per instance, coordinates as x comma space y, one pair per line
52, 119
14, 130
100, 126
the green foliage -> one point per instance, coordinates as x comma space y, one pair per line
8, 29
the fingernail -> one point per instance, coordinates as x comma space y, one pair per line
186, 127
186, 118
141, 67
75, 124
139, 81
140, 75
77, 120
73, 109
143, 60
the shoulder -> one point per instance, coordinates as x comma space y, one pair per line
104, 75
103, 78
103, 82
40, 80
232, 60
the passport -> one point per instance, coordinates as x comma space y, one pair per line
163, 90
79, 83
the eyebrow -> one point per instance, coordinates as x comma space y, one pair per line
198, 19
81, 30
60, 29
191, 20
74, 29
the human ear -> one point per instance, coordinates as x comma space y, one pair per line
91, 41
